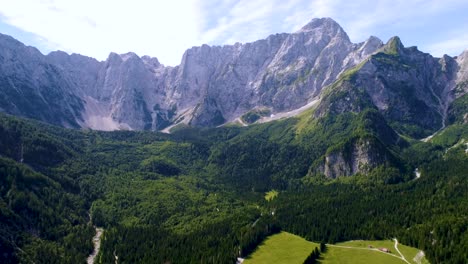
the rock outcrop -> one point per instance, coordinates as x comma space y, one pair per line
462, 75
359, 155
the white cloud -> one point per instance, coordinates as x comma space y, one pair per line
248, 20
452, 46
95, 28
237, 16
313, 9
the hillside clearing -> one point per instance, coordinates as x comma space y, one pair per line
288, 248
369, 252
269, 196
281, 248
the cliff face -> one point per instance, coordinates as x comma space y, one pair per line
214, 85
357, 156
211, 86
461, 87
33, 87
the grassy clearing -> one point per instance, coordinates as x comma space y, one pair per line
357, 256
269, 196
282, 248
361, 253
374, 243
410, 253
288, 248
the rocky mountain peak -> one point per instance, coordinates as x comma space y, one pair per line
113, 58
151, 61
77, 61
11, 47
371, 45
373, 42
8, 41
129, 56
324, 26
58, 55
325, 22
394, 46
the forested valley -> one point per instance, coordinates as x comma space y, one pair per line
198, 195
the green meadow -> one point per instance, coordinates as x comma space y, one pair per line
288, 248
282, 248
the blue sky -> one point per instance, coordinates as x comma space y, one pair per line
165, 29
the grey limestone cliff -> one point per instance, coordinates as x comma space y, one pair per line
215, 85
211, 86
356, 156
32, 87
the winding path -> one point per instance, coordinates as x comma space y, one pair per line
97, 245
376, 250
369, 249
396, 248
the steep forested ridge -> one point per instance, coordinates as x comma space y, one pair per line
44, 216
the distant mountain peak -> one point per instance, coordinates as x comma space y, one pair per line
151, 61
320, 23
325, 26
129, 56
374, 39
394, 46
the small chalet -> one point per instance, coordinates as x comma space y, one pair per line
386, 250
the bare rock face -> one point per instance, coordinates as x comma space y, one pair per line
461, 87
282, 72
214, 85
357, 156
32, 87
211, 86
82, 71
125, 82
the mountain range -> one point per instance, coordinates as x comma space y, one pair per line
268, 79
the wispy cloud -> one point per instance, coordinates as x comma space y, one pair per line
242, 21
452, 46
311, 9
95, 28
365, 16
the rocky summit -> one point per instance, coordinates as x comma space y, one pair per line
242, 83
